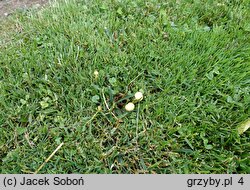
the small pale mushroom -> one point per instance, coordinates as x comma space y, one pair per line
130, 106
138, 96
96, 73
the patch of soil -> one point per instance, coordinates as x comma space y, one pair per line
8, 6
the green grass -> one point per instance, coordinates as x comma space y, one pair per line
190, 58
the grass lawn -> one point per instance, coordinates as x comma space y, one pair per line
190, 58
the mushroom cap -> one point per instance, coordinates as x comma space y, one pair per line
96, 72
130, 106
138, 96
